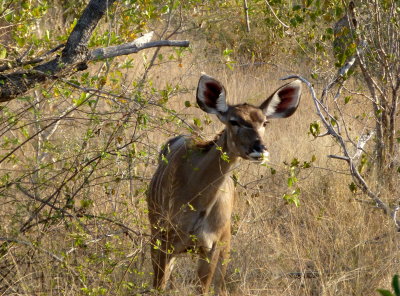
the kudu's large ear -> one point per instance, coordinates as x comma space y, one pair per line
211, 96
283, 102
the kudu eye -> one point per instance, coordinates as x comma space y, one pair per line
233, 122
265, 123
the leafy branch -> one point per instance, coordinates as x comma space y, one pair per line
74, 55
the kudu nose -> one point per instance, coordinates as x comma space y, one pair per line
259, 147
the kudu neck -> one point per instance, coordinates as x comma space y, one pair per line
226, 157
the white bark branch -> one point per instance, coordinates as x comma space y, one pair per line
135, 46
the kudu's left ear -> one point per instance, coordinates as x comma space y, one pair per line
211, 96
283, 102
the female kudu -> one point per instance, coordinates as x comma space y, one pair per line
191, 194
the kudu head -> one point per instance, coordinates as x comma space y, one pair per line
245, 123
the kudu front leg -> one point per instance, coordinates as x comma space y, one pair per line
223, 260
213, 264
207, 263
162, 266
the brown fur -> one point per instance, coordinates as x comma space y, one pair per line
205, 146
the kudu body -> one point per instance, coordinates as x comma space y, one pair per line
191, 195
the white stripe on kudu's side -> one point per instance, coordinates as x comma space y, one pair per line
191, 194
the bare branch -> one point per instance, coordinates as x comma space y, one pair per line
132, 47
339, 157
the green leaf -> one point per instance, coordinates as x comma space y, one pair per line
329, 31
25, 132
224, 155
86, 203
3, 53
296, 7
295, 162
353, 187
164, 159
385, 292
191, 207
315, 129
293, 197
396, 284
81, 99
197, 122
227, 52
187, 104
291, 181
25, 5
9, 17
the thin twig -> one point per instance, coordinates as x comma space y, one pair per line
274, 14
26, 243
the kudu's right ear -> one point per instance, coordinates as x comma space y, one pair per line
211, 96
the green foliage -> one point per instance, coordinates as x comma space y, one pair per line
293, 197
315, 129
224, 155
395, 286
353, 187
295, 167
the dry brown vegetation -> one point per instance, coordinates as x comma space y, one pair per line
74, 218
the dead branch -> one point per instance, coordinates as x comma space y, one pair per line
133, 47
